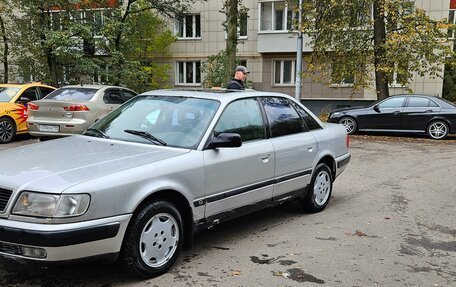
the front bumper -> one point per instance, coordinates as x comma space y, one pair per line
62, 242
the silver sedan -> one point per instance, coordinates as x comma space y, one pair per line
141, 181
72, 109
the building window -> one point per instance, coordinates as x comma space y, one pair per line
189, 73
452, 19
276, 16
188, 27
399, 77
340, 77
284, 72
242, 29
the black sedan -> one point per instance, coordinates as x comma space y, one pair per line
418, 114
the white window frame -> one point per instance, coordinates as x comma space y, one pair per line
293, 72
185, 83
395, 83
184, 32
273, 18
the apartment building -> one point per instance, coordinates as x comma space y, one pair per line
268, 49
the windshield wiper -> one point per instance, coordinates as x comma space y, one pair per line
99, 132
147, 136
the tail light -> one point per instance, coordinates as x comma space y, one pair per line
33, 106
347, 141
76, 108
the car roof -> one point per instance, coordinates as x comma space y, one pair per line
34, 84
93, 86
224, 95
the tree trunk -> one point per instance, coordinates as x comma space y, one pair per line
5, 50
381, 78
231, 41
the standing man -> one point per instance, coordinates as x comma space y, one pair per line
240, 75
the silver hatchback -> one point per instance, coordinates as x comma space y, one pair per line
142, 180
72, 109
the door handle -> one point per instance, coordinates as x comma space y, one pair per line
265, 157
310, 149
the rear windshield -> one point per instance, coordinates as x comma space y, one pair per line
71, 94
6, 94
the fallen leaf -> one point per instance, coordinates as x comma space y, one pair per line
386, 217
236, 273
360, 233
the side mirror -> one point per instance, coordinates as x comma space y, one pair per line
225, 140
376, 108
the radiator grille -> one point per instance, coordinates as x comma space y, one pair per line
10, 248
5, 195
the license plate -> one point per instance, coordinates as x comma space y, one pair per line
48, 128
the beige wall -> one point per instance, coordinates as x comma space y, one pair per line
260, 64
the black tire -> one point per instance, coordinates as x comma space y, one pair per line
438, 130
150, 233
7, 130
319, 190
350, 124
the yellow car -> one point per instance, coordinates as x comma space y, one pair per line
13, 107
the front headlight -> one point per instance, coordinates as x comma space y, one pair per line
51, 205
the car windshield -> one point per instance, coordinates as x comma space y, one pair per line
162, 120
7, 93
72, 94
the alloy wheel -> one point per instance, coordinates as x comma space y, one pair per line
6, 131
349, 124
159, 240
322, 187
438, 130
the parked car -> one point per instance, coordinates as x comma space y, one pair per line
142, 180
417, 114
13, 107
72, 109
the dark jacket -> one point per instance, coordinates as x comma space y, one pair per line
235, 84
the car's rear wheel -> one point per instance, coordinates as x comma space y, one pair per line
349, 124
153, 239
7, 130
319, 190
438, 130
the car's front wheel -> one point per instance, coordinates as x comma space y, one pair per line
438, 130
7, 130
349, 124
153, 239
319, 190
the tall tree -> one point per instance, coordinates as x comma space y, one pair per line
77, 41
232, 15
399, 39
5, 22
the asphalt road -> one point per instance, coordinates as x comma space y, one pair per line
390, 222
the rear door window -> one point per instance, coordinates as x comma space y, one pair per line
311, 123
113, 97
420, 102
45, 91
72, 94
283, 118
30, 93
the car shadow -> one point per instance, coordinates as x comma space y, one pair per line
15, 274
399, 136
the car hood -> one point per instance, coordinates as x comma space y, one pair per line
55, 165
